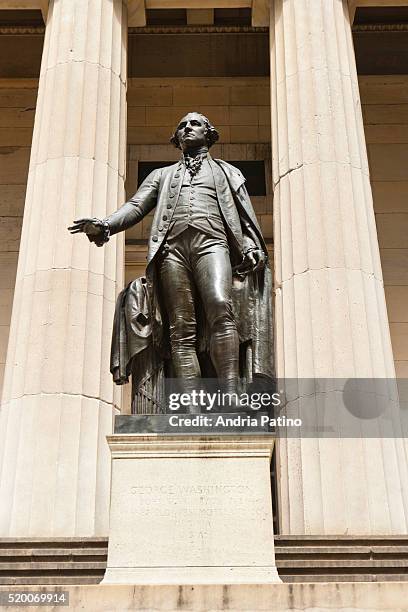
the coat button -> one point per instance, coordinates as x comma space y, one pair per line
154, 238
172, 195
169, 206
164, 217
176, 176
174, 185
161, 228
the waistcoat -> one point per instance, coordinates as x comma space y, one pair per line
197, 205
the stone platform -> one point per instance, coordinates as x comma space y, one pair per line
322, 597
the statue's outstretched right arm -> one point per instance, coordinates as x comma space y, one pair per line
132, 212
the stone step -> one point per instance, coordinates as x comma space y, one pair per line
307, 551
54, 552
58, 561
30, 565
343, 577
303, 540
298, 558
47, 542
54, 579
342, 563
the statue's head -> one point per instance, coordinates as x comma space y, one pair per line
193, 131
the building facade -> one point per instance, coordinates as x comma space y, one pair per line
311, 98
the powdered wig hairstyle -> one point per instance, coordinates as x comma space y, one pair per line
211, 133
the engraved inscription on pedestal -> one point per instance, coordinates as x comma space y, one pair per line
197, 522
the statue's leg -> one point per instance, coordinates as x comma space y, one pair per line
177, 286
213, 276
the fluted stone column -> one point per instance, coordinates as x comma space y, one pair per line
58, 400
331, 318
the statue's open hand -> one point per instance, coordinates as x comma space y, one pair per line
254, 260
93, 228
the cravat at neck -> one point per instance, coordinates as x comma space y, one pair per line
194, 163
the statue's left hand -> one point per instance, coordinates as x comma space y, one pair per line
254, 260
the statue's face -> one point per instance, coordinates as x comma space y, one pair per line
191, 132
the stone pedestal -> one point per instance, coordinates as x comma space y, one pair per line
190, 510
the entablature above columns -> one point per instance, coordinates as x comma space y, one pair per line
136, 13
355, 4
42, 5
137, 8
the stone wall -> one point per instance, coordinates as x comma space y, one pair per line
238, 107
17, 107
385, 110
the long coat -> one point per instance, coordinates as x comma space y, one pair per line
252, 294
161, 189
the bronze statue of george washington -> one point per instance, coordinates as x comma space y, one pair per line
204, 308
